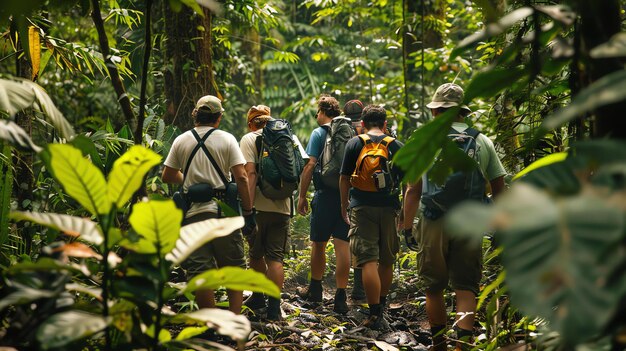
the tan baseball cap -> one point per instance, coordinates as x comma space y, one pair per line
448, 95
260, 113
209, 103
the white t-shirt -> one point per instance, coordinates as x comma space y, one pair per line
250, 153
224, 149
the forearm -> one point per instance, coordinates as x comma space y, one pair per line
497, 186
411, 203
305, 178
241, 178
252, 177
344, 191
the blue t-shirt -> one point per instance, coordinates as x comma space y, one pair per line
316, 143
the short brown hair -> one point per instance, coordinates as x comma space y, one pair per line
374, 116
329, 105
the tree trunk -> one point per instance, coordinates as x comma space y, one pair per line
188, 54
599, 21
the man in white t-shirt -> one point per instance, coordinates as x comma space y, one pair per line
268, 244
223, 147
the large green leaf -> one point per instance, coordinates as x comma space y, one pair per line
16, 136
234, 278
451, 159
420, 151
80, 178
615, 47
194, 235
606, 90
488, 83
86, 229
26, 295
492, 29
158, 222
128, 173
542, 162
18, 94
227, 323
66, 327
562, 254
564, 262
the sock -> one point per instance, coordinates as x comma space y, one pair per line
376, 309
383, 301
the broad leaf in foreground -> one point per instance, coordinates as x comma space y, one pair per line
66, 327
606, 90
80, 178
18, 94
158, 222
226, 322
194, 235
128, 173
424, 145
84, 228
16, 136
234, 278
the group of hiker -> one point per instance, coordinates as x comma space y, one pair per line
359, 202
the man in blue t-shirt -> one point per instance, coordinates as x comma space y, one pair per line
326, 218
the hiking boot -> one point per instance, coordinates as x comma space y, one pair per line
256, 301
313, 293
374, 322
358, 293
273, 309
340, 305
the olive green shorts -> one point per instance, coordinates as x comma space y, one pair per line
373, 234
270, 239
443, 259
219, 252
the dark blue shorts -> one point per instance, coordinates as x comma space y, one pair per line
326, 218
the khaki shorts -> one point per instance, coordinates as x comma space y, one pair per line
373, 234
219, 252
442, 259
270, 239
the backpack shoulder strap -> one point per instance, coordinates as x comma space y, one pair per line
365, 138
196, 148
208, 154
387, 140
472, 132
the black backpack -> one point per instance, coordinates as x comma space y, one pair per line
329, 163
459, 186
280, 163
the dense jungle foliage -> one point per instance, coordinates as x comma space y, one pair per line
92, 93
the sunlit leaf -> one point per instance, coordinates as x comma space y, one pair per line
128, 173
606, 90
80, 178
561, 13
194, 235
493, 29
234, 278
86, 229
158, 222
227, 323
16, 136
542, 162
34, 46
76, 249
25, 295
66, 327
615, 47
18, 94
190, 332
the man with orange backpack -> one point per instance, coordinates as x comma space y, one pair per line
369, 187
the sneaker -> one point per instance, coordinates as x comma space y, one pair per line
340, 304
312, 294
255, 302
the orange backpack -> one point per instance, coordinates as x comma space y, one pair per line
372, 171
